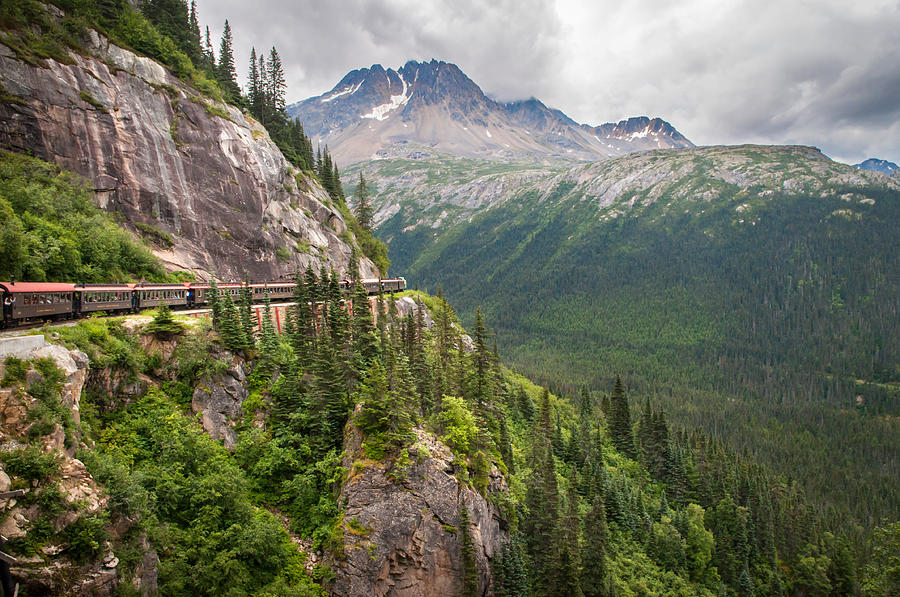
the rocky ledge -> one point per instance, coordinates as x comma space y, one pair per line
401, 523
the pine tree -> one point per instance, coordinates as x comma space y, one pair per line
510, 577
232, 334
215, 303
468, 565
268, 337
620, 426
254, 87
363, 207
542, 502
245, 310
275, 91
593, 555
196, 44
209, 55
569, 555
225, 73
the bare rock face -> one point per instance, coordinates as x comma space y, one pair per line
161, 155
401, 524
219, 403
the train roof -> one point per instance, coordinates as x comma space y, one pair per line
105, 288
162, 287
38, 286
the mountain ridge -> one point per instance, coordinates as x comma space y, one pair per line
372, 112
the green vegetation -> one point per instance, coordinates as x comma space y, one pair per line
51, 230
777, 319
155, 235
93, 101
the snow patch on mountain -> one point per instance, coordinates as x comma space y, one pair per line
396, 101
349, 91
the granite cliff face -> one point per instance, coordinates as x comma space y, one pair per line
401, 524
203, 179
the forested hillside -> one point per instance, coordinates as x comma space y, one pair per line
597, 501
766, 317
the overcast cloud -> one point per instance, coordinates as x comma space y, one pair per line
814, 72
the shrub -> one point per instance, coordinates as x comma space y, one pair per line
31, 463
14, 372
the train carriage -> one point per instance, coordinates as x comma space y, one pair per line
91, 298
277, 291
154, 295
23, 301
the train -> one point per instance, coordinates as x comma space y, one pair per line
50, 301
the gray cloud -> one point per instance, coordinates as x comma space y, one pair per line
819, 72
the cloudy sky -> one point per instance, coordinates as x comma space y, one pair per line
814, 72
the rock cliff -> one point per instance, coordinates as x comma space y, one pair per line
200, 178
401, 524
54, 507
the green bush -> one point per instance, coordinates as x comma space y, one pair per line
31, 463
50, 229
457, 425
14, 371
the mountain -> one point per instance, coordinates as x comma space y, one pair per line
760, 281
433, 106
876, 165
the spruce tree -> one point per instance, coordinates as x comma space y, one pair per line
245, 309
568, 582
593, 554
196, 44
209, 55
363, 207
542, 502
215, 303
232, 333
620, 426
510, 578
225, 73
254, 87
268, 337
275, 91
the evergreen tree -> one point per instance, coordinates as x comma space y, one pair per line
593, 555
268, 337
510, 578
468, 565
275, 91
225, 72
171, 18
196, 44
620, 425
209, 55
542, 502
232, 333
363, 208
245, 310
569, 555
255, 87
215, 303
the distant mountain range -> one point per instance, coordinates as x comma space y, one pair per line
433, 106
876, 165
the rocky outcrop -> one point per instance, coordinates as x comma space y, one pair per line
51, 571
401, 524
219, 401
203, 178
